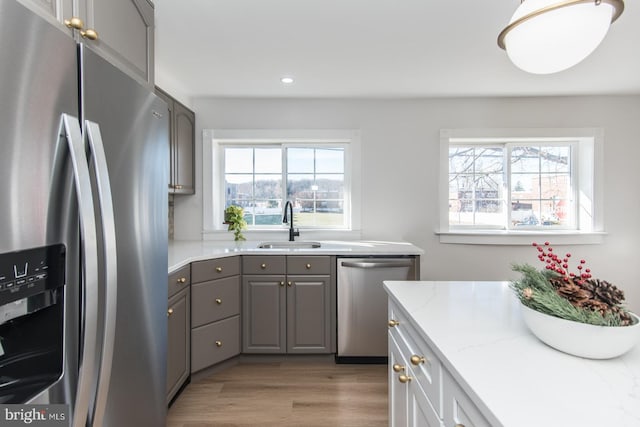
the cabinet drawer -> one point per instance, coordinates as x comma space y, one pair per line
215, 342
202, 271
458, 407
308, 265
215, 300
178, 280
425, 364
257, 264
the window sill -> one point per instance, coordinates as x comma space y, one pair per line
516, 238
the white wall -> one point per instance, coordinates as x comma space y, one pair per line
400, 143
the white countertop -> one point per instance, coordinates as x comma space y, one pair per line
477, 330
182, 252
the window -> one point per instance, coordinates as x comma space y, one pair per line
262, 178
520, 181
317, 170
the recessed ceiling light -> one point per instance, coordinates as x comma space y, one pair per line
287, 80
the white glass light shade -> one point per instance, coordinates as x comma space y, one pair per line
559, 38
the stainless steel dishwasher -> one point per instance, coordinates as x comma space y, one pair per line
362, 305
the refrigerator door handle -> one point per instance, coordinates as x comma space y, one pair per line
70, 130
108, 231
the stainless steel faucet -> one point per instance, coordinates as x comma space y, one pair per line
285, 220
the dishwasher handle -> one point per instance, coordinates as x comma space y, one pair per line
377, 264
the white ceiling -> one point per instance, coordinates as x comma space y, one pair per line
369, 48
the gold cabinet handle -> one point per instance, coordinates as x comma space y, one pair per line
75, 23
404, 379
169, 312
416, 360
289, 284
218, 269
398, 368
218, 343
182, 280
89, 34
218, 301
308, 266
281, 283
393, 323
459, 425
263, 266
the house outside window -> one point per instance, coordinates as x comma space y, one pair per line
513, 181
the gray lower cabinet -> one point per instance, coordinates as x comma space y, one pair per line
124, 29
287, 304
178, 331
215, 311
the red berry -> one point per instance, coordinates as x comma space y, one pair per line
588, 270
565, 265
546, 243
568, 255
540, 249
582, 261
550, 249
534, 244
572, 274
579, 267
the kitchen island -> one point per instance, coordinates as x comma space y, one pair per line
504, 375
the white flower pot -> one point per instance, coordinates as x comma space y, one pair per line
581, 339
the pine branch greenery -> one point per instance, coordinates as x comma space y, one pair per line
571, 296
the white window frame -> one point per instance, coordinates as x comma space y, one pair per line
214, 142
587, 173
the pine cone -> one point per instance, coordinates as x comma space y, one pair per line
606, 292
572, 292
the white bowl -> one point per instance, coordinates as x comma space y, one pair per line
581, 339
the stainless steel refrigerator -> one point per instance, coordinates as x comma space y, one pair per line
83, 229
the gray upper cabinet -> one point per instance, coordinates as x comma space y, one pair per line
122, 31
125, 31
287, 304
182, 133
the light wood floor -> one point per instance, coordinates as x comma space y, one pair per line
285, 394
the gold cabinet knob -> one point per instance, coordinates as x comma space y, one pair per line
218, 269
308, 266
182, 280
218, 301
169, 312
178, 187
416, 360
89, 34
281, 283
218, 343
263, 266
289, 284
393, 323
398, 368
459, 425
75, 23
404, 379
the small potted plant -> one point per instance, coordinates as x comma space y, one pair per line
572, 311
234, 218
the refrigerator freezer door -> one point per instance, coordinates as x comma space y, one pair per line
134, 127
38, 84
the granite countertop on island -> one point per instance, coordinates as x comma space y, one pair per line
477, 331
182, 252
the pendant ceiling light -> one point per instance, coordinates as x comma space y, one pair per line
547, 36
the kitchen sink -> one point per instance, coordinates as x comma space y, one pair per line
289, 245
